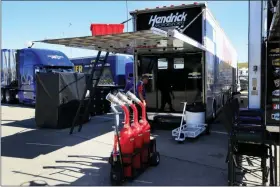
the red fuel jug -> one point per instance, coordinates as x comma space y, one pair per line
138, 135
146, 132
145, 127
127, 144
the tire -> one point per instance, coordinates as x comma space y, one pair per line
8, 96
182, 135
2, 97
155, 159
214, 112
116, 175
116, 178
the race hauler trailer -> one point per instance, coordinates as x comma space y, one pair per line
264, 60
18, 69
193, 53
114, 69
201, 64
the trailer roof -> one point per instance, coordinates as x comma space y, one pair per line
143, 42
171, 7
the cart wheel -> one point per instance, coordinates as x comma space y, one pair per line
116, 178
155, 159
182, 138
110, 160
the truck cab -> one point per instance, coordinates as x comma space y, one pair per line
28, 62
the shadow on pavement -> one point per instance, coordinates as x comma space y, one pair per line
35, 142
27, 123
88, 171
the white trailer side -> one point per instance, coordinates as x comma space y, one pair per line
220, 64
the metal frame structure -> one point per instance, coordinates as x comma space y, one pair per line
248, 147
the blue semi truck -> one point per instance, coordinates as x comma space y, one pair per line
114, 72
18, 69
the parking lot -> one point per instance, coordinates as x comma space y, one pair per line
53, 157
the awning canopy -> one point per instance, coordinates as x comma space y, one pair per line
143, 42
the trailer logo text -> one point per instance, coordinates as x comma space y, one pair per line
55, 57
277, 83
276, 106
194, 75
275, 116
168, 21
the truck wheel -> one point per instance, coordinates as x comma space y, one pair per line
2, 97
8, 96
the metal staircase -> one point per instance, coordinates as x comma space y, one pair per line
91, 86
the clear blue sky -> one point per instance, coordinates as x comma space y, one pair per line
29, 21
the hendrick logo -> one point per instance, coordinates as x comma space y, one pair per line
168, 21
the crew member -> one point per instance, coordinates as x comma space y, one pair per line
141, 93
166, 93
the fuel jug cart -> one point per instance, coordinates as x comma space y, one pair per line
123, 158
192, 125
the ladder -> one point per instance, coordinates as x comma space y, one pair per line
91, 85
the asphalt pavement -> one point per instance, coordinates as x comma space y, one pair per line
32, 156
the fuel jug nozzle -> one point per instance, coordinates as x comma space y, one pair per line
135, 99
113, 99
124, 98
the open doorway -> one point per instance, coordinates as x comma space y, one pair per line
174, 78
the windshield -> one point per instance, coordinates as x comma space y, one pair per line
54, 69
106, 78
